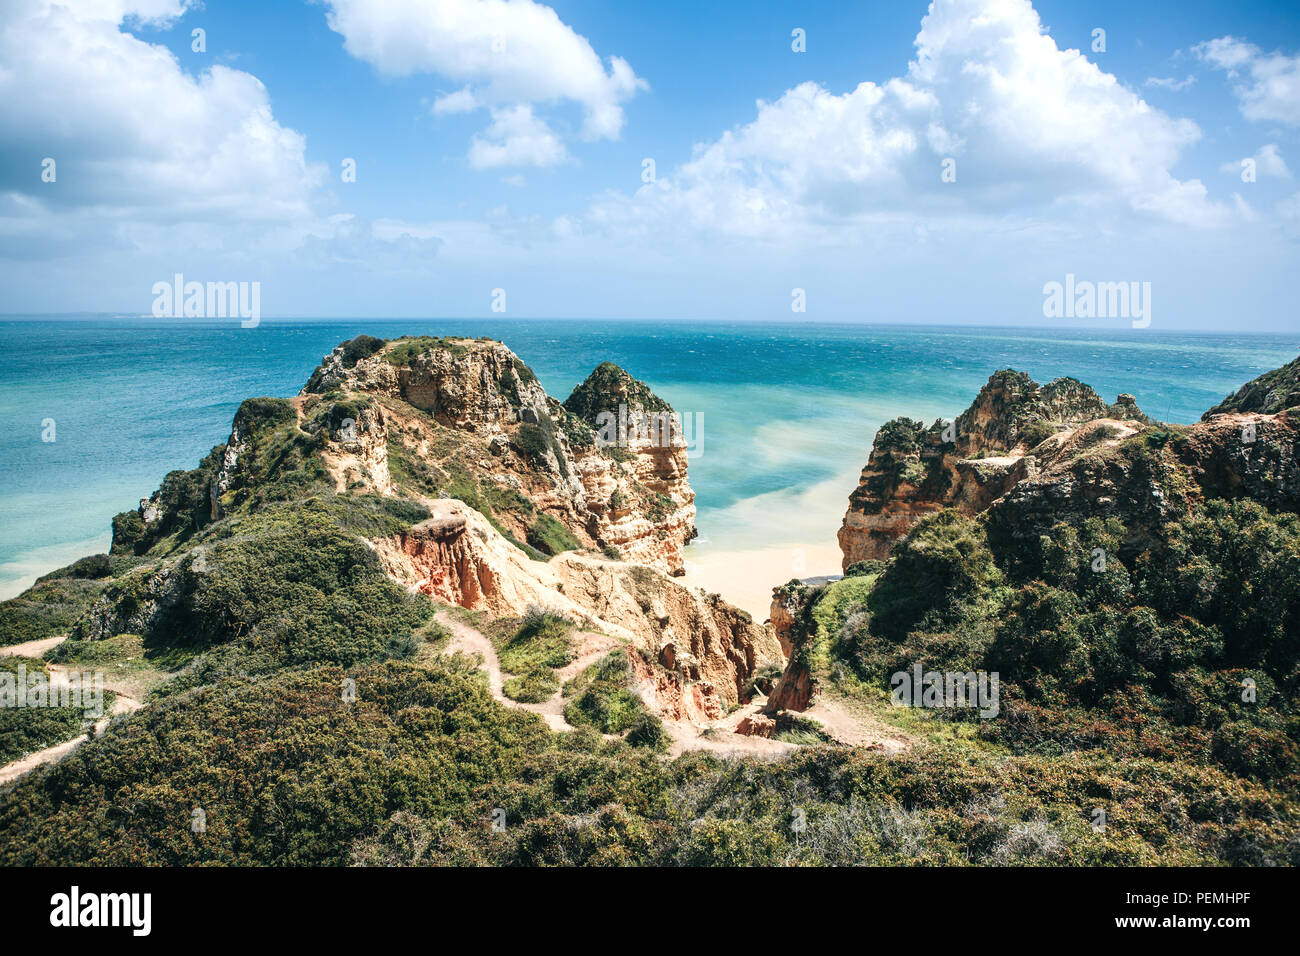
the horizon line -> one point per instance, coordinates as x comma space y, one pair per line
1074, 325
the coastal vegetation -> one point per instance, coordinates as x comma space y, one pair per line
298, 693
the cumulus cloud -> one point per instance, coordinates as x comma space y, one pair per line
1017, 123
516, 138
130, 131
507, 53
1268, 161
1267, 85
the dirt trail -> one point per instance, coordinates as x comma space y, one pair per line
854, 729
469, 640
32, 648
720, 738
59, 677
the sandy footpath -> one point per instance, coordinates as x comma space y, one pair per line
58, 676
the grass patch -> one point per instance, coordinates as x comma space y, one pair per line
540, 642
404, 351
602, 697
792, 729
550, 537
531, 688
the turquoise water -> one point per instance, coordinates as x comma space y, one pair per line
785, 408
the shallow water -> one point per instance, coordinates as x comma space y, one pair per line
785, 408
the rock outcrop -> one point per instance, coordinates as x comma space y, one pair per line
469, 412
1001, 440
794, 689
692, 653
511, 476
598, 482
1029, 457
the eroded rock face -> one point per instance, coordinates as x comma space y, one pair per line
1001, 440
1246, 454
615, 418
794, 689
629, 496
1029, 458
691, 653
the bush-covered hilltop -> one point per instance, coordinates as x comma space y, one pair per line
1136, 587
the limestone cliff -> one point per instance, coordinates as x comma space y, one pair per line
1008, 432
467, 418
1028, 457
582, 507
1025, 458
691, 653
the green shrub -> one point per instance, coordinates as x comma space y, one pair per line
547, 535
532, 687
361, 347
541, 642
601, 696
941, 566
51, 606
647, 731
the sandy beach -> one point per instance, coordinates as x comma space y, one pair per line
746, 578
758, 543
20, 573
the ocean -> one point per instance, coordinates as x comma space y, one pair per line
788, 410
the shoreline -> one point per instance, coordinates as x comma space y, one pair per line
746, 578
22, 571
750, 547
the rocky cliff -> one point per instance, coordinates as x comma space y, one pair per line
1028, 456
581, 507
1012, 429
1025, 459
692, 653
459, 412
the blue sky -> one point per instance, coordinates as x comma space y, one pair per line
520, 167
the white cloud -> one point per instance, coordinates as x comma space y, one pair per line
1268, 161
462, 101
508, 53
1267, 85
1027, 125
382, 247
1169, 83
516, 138
129, 130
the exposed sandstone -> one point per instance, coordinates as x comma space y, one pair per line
1029, 457
473, 403
512, 477
692, 653
1006, 435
